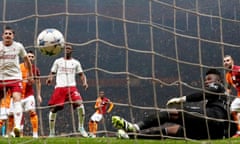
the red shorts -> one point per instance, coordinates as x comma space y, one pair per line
10, 85
63, 94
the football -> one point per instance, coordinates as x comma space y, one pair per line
50, 42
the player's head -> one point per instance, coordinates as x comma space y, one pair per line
68, 50
228, 62
8, 36
31, 55
213, 76
101, 93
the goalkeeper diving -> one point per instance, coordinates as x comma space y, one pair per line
210, 121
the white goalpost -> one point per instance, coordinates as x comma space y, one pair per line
140, 52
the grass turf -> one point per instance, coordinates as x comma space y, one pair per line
108, 140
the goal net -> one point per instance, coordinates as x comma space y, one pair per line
140, 52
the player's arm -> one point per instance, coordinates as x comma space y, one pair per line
83, 79
38, 89
29, 67
228, 84
210, 92
50, 78
228, 88
111, 105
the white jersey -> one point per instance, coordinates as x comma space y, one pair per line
9, 60
66, 71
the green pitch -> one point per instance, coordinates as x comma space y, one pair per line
76, 140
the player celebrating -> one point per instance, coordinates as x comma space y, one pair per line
65, 69
103, 105
233, 80
207, 122
28, 100
10, 74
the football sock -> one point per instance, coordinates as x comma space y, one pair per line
238, 122
95, 127
3, 130
81, 115
90, 126
10, 124
34, 121
52, 120
22, 126
17, 114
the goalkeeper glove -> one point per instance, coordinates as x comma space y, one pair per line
176, 100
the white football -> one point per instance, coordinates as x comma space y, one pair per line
50, 41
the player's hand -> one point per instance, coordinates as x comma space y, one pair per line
49, 81
30, 80
176, 100
85, 86
39, 98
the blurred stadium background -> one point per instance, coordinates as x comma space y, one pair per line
141, 52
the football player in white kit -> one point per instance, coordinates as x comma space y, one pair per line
10, 74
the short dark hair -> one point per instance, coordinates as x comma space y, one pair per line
68, 46
216, 72
30, 51
9, 28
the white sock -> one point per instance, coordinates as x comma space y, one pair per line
17, 114
81, 115
52, 120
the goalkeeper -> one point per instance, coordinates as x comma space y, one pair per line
207, 122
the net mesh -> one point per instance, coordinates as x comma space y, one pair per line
141, 52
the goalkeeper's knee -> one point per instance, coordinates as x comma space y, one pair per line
180, 132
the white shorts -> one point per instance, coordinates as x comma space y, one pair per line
4, 113
28, 103
96, 117
235, 105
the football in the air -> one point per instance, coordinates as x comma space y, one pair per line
50, 41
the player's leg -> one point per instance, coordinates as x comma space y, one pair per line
78, 105
34, 122
52, 121
10, 125
81, 118
121, 123
30, 107
17, 108
3, 116
150, 121
157, 132
4, 128
235, 111
10, 120
57, 98
93, 124
8, 105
